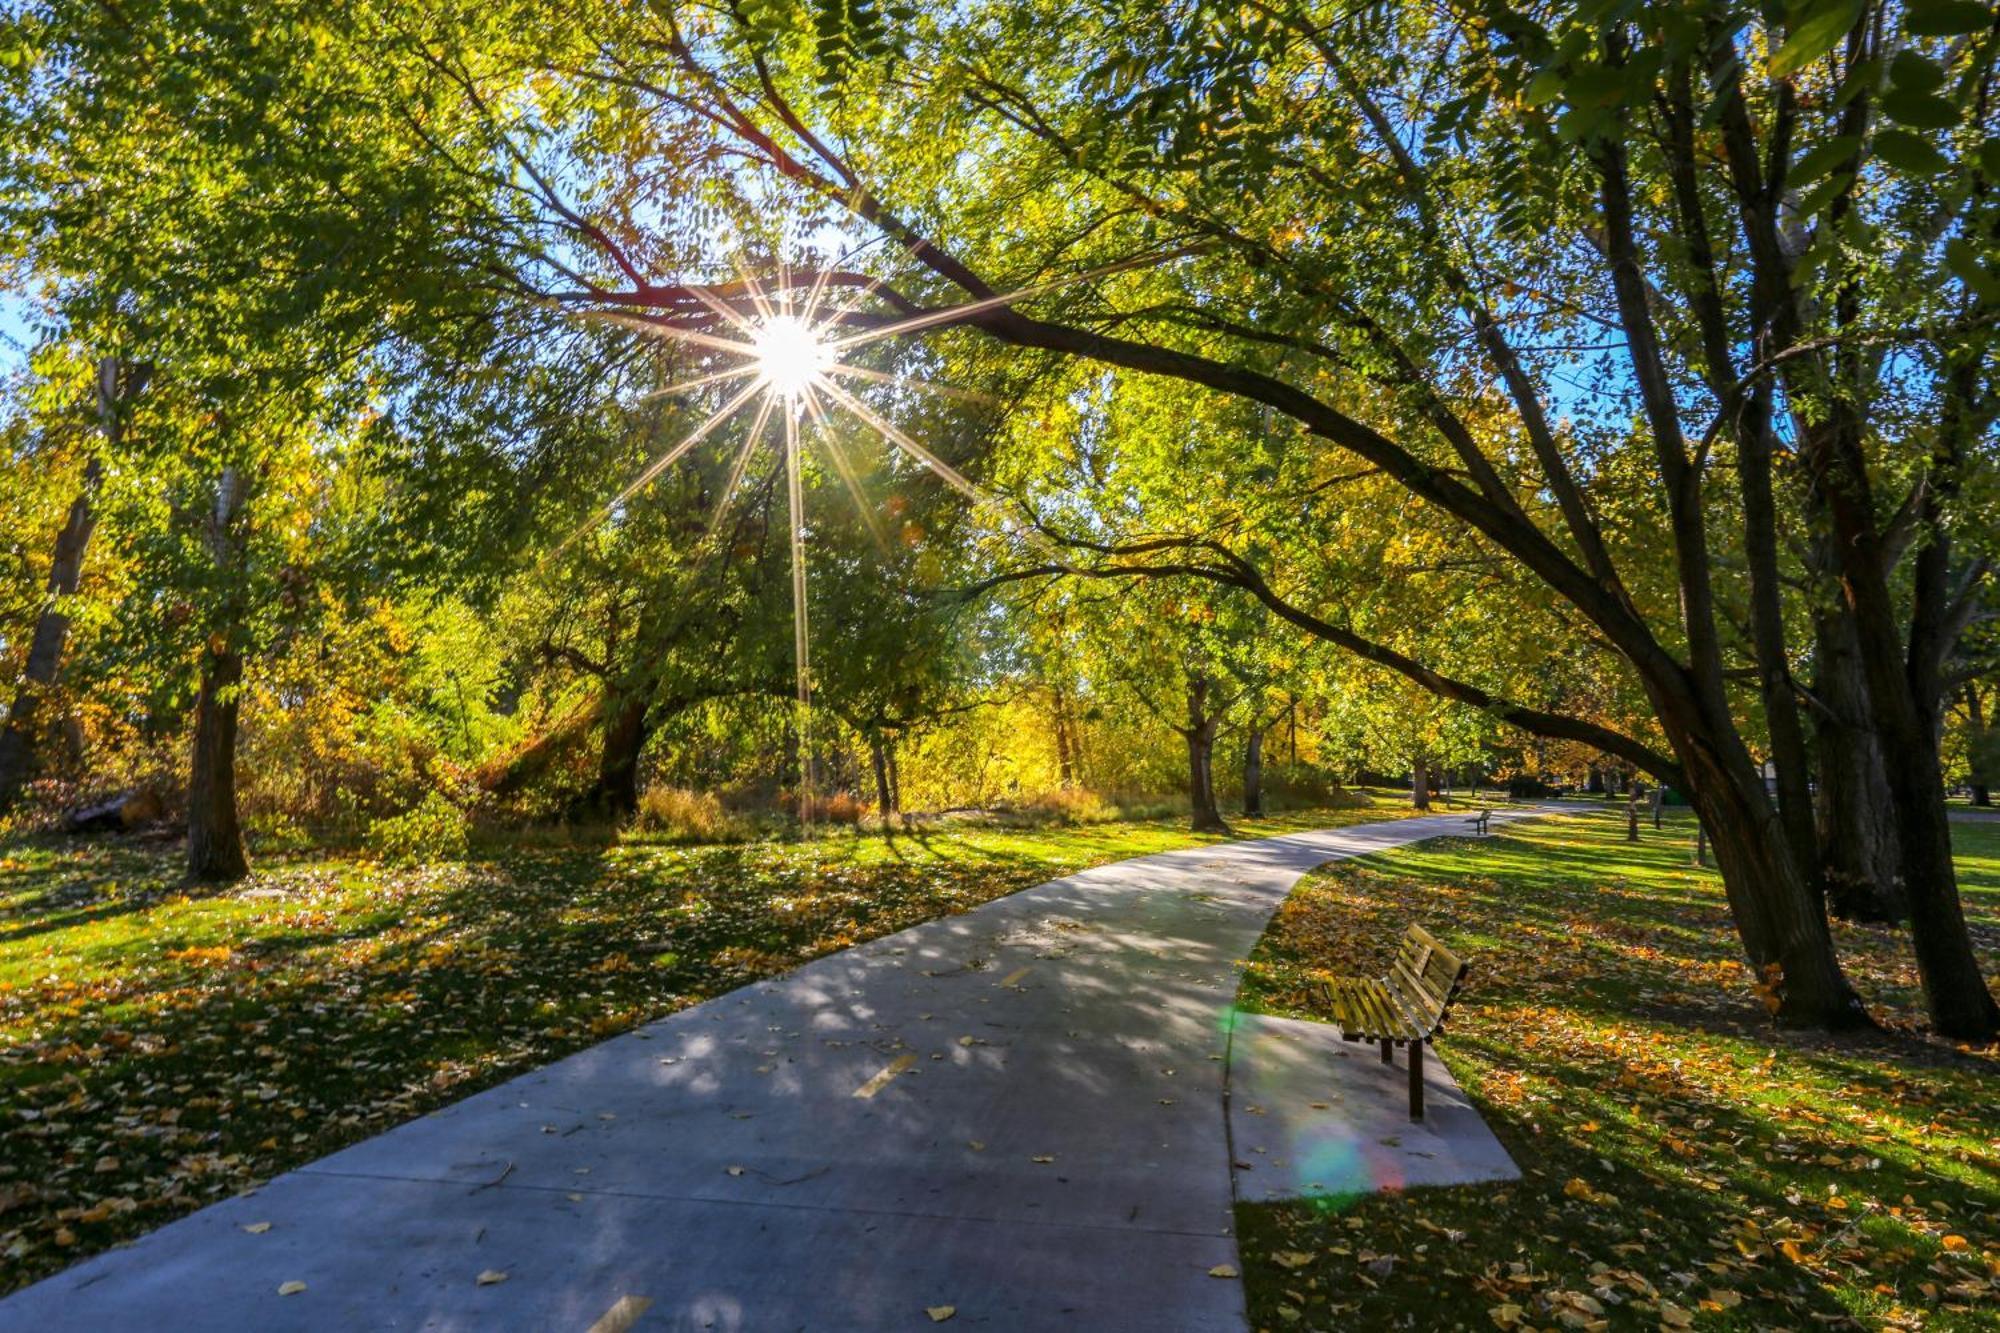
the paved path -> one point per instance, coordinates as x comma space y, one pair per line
1017, 1112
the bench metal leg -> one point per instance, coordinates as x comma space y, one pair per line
1388, 1051
1416, 1080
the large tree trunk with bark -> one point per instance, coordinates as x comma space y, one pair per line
215, 835
1200, 734
626, 732
117, 382
1859, 852
1781, 921
1780, 918
18, 740
1420, 781
885, 791
1904, 699
1065, 759
1253, 774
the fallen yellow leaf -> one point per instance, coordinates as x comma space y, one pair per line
1223, 1270
292, 1288
491, 1276
940, 1313
258, 1228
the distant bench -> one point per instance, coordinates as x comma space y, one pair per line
1479, 822
1405, 1007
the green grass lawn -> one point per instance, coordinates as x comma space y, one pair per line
161, 1048
1684, 1164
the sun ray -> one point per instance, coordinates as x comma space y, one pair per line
912, 382
663, 462
735, 317
674, 331
944, 470
737, 468
801, 640
827, 270
686, 386
844, 468
751, 284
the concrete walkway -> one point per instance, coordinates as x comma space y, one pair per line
1017, 1113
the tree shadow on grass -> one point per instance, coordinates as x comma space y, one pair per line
158, 1069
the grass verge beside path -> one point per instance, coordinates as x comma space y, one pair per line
161, 1048
1685, 1164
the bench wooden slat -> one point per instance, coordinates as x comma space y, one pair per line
1392, 1020
1407, 1005
1417, 988
1426, 1006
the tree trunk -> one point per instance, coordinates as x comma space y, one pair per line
215, 835
1657, 800
1200, 733
117, 382
1065, 762
1954, 989
625, 735
885, 795
1781, 921
1253, 774
1859, 851
1978, 779
1632, 812
1420, 783
1904, 709
895, 776
18, 740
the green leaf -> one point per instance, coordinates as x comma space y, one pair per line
1963, 259
1818, 31
1824, 157
1819, 196
1946, 18
1593, 85
1916, 73
1926, 111
1862, 76
1543, 88
1912, 154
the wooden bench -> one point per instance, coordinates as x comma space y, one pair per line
1404, 1008
1480, 821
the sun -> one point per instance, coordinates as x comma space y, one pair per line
789, 354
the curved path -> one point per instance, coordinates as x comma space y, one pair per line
1017, 1112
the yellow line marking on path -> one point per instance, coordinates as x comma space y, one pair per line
622, 1315
1014, 978
881, 1080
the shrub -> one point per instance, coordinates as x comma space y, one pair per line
1070, 805
433, 830
680, 815
839, 808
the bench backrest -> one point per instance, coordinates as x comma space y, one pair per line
1427, 976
